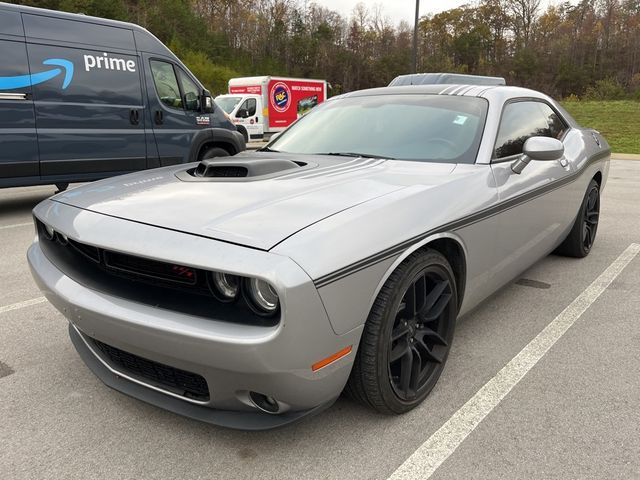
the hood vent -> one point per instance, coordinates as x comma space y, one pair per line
229, 168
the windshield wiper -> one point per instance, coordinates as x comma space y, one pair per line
267, 149
354, 154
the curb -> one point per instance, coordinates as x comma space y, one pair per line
624, 156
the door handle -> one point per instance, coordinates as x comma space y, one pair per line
14, 96
134, 116
159, 117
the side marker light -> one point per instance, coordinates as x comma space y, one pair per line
336, 356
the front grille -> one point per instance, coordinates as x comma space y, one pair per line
144, 267
151, 282
181, 382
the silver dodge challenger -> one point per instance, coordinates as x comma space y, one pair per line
250, 291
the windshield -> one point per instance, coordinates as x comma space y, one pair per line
430, 128
227, 103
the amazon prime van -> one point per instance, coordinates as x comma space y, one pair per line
83, 98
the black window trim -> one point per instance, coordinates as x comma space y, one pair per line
255, 106
155, 87
193, 80
510, 158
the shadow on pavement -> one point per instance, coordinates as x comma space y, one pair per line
23, 203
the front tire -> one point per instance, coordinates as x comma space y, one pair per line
582, 236
244, 133
407, 336
214, 152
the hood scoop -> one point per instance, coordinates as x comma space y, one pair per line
230, 169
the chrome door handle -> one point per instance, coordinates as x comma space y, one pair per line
13, 96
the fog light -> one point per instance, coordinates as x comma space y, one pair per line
264, 402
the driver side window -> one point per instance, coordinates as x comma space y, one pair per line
191, 92
521, 121
166, 83
249, 106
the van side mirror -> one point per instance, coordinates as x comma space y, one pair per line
206, 102
538, 148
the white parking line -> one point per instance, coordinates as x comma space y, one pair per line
19, 305
3, 227
432, 453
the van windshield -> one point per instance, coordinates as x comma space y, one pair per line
430, 128
227, 103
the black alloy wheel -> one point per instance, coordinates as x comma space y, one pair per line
582, 236
407, 336
417, 342
591, 217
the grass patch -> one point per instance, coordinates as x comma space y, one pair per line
618, 121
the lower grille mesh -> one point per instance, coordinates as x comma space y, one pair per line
181, 382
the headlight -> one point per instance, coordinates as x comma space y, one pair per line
261, 296
225, 286
48, 231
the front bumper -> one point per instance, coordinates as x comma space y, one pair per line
234, 359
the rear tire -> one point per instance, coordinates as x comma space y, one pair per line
582, 236
407, 336
214, 152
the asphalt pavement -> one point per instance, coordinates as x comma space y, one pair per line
573, 412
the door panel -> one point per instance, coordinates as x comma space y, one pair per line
174, 119
19, 152
89, 112
537, 201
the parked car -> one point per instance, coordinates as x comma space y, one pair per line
262, 106
83, 98
250, 291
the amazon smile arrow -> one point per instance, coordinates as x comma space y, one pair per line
21, 81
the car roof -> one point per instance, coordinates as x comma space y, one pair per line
448, 78
492, 92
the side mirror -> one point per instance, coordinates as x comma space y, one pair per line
206, 102
538, 148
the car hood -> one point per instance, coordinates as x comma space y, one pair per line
255, 212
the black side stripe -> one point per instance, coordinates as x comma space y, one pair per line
454, 225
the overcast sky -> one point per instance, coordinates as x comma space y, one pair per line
397, 10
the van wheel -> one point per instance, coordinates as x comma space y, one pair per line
61, 187
214, 152
244, 133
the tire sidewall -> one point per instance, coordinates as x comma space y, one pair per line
429, 259
214, 152
583, 213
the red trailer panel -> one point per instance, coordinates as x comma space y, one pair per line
290, 98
